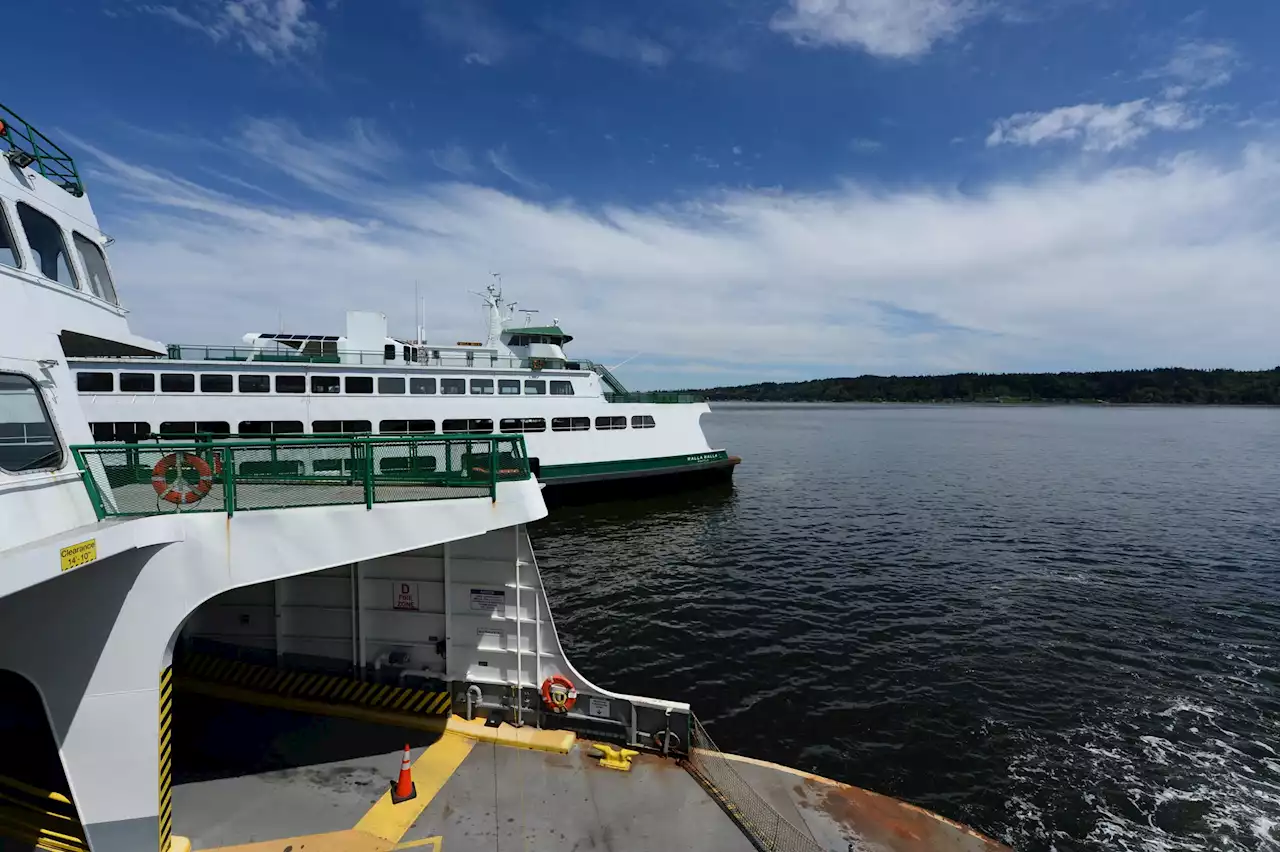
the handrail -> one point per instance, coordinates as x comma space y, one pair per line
48, 159
202, 475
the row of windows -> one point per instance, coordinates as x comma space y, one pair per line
95, 382
48, 245
135, 431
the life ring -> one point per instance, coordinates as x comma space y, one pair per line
558, 694
170, 492
537, 363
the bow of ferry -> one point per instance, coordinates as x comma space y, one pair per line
227, 643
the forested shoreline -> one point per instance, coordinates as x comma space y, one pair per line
1169, 386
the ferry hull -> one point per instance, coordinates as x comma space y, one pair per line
595, 482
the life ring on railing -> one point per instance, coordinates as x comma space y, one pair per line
537, 363
170, 492
505, 471
558, 694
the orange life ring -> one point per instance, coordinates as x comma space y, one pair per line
170, 492
558, 694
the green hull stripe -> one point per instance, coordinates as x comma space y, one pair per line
711, 459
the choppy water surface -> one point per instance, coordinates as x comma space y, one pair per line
1060, 625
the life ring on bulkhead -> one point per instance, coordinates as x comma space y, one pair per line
558, 694
169, 491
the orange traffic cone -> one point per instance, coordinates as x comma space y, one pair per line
404, 790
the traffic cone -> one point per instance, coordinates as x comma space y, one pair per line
404, 790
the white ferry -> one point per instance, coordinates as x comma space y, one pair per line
582, 427
312, 642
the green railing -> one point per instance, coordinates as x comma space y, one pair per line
33, 148
653, 397
169, 477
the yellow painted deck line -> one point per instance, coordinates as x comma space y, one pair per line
333, 841
430, 773
559, 742
435, 843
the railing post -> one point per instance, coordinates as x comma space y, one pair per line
95, 496
368, 472
229, 482
493, 470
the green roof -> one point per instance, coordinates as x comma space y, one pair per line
548, 330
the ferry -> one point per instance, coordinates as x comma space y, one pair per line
586, 433
310, 641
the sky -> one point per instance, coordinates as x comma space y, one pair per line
713, 191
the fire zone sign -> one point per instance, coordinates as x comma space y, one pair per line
406, 595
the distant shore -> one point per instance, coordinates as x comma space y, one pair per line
1166, 386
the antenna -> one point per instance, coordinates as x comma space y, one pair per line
620, 363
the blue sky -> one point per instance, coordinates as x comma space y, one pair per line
738, 190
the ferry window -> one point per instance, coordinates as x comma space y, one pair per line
407, 427
482, 386
570, 424
291, 384
96, 266
45, 240
255, 384
213, 427
524, 424
349, 427
508, 387
473, 426
389, 352
453, 386
270, 427
324, 384
215, 383
393, 384
27, 438
8, 248
611, 422
422, 386
178, 382
131, 432
177, 427
137, 382
359, 384
642, 421
535, 387
95, 382
562, 388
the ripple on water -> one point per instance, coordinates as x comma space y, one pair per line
1056, 624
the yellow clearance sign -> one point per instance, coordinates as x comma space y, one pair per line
79, 554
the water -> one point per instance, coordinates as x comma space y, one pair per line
1060, 625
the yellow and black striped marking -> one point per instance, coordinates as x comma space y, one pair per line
166, 758
332, 689
38, 818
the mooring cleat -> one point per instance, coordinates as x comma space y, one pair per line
614, 758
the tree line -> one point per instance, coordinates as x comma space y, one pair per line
1171, 386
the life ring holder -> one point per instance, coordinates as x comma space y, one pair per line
169, 492
559, 694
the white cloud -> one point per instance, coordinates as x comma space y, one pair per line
1199, 65
895, 29
469, 24
275, 30
502, 161
453, 159
1170, 264
1097, 127
862, 145
616, 42
328, 166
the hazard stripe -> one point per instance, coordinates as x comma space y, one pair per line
165, 810
403, 698
438, 703
422, 702
350, 690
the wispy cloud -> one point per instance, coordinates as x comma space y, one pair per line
469, 24
862, 145
1197, 64
454, 159
1097, 127
276, 30
893, 29
328, 166
617, 42
502, 161
1110, 267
